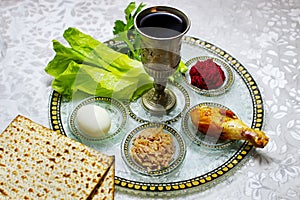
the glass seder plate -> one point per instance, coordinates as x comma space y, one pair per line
202, 165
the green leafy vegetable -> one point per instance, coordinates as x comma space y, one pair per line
124, 31
92, 67
130, 13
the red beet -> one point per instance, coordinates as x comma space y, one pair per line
207, 75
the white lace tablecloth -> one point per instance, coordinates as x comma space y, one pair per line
264, 35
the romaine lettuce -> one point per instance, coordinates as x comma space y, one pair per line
92, 67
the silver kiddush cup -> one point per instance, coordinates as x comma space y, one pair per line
161, 29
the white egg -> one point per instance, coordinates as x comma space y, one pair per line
93, 120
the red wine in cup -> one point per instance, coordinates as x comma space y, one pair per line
162, 25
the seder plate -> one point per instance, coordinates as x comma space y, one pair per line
202, 165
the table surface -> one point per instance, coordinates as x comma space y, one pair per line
264, 35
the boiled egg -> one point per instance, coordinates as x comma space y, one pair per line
93, 120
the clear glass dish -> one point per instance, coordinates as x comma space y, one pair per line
140, 114
198, 137
229, 78
115, 109
176, 159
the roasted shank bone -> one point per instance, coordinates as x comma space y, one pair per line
225, 125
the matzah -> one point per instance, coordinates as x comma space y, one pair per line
39, 163
107, 188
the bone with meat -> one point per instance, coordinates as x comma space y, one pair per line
225, 125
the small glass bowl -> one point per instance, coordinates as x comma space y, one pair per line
177, 157
229, 78
115, 109
139, 113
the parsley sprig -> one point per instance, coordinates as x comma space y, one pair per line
124, 30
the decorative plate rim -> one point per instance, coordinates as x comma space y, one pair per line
196, 139
91, 100
135, 167
212, 92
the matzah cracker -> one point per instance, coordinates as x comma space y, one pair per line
39, 163
107, 188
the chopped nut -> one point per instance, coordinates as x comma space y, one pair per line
149, 146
